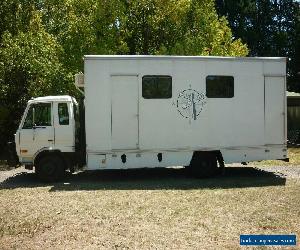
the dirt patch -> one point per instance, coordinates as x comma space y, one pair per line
7, 172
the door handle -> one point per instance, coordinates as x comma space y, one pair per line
50, 140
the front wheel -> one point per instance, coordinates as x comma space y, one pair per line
50, 168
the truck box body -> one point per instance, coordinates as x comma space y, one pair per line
155, 111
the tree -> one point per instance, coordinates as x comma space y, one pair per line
269, 27
30, 66
294, 63
178, 27
42, 42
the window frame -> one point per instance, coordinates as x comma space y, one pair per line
221, 97
51, 121
157, 76
33, 105
25, 117
64, 103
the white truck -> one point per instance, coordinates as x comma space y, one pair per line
160, 111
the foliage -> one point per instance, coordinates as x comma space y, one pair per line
29, 66
269, 27
181, 27
42, 42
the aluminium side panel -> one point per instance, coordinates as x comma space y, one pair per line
274, 110
220, 122
97, 106
233, 125
275, 102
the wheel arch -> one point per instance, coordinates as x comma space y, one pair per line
216, 153
46, 151
212, 154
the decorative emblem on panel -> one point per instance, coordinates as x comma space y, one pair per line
190, 103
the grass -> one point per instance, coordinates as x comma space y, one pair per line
146, 209
293, 155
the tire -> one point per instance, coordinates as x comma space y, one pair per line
203, 165
50, 168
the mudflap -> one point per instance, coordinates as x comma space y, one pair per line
12, 158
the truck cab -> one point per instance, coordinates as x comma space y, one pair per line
48, 127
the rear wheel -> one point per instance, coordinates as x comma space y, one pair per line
203, 165
50, 168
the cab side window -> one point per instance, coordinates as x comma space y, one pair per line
63, 114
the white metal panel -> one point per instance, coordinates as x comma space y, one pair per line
138, 160
224, 122
124, 105
97, 105
274, 110
64, 133
36, 138
181, 158
254, 154
274, 68
156, 115
177, 58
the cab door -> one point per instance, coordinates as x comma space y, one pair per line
64, 126
37, 131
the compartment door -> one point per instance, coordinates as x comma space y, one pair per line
275, 99
124, 108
